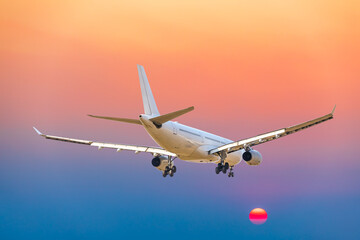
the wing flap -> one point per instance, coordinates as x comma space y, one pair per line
71, 140
307, 124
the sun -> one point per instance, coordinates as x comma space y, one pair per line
258, 216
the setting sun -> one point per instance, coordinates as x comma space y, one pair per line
258, 216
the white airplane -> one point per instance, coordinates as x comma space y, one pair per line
187, 143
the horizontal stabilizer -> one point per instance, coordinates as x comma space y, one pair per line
167, 117
127, 120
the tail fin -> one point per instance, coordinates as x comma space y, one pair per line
147, 96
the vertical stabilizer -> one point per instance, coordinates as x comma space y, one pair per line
147, 96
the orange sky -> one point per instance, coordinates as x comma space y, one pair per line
279, 62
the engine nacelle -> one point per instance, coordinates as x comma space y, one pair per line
160, 162
252, 157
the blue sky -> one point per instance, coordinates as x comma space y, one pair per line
80, 193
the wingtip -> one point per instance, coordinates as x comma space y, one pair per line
333, 109
37, 131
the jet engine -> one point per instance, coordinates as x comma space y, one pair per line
252, 157
160, 162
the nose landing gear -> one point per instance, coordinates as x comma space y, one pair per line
231, 173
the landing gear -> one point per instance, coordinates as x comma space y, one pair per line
223, 166
231, 173
170, 169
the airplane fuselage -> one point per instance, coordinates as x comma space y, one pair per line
190, 144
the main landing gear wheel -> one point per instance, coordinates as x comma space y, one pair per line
169, 171
222, 167
225, 167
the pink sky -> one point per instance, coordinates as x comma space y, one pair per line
247, 66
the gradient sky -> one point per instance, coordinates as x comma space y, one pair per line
247, 66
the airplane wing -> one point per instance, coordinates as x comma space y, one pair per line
266, 137
118, 147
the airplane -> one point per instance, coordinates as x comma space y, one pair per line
186, 143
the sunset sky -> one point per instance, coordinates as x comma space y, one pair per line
248, 67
